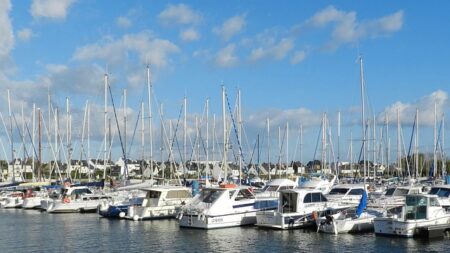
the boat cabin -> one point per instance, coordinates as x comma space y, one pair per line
292, 201
419, 207
165, 195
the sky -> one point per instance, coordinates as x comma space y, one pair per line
293, 62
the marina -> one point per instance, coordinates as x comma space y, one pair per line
250, 126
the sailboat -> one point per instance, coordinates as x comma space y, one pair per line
350, 220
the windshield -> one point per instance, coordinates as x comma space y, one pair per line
338, 191
389, 192
270, 188
441, 192
401, 192
210, 195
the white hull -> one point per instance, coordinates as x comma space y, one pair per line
147, 213
277, 220
347, 226
32, 202
75, 206
390, 226
219, 221
11, 203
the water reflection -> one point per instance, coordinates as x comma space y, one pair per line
33, 231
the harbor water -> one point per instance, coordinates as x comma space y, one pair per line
35, 231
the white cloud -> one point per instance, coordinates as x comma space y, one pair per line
7, 37
179, 14
148, 49
226, 56
231, 27
347, 29
189, 35
123, 22
425, 105
25, 34
274, 49
298, 57
279, 117
52, 9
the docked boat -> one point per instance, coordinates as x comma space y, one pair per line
159, 203
394, 197
33, 197
318, 182
349, 220
296, 208
346, 194
76, 199
11, 199
226, 206
443, 193
272, 188
420, 212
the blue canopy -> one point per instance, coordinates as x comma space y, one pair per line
362, 204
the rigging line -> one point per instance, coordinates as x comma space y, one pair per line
118, 130
134, 131
235, 129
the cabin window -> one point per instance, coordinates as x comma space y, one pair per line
153, 194
401, 192
231, 193
356, 192
441, 192
434, 202
289, 201
80, 191
308, 198
270, 188
390, 192
338, 191
179, 194
244, 194
416, 207
209, 195
286, 187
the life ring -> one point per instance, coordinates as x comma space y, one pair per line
314, 215
66, 200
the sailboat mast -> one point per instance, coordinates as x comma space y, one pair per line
363, 119
268, 146
125, 121
11, 138
416, 142
105, 121
399, 146
240, 135
33, 132
338, 145
225, 144
185, 135
142, 140
150, 126
435, 142
207, 140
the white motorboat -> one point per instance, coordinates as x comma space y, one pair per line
318, 182
226, 206
419, 212
443, 192
11, 199
296, 208
394, 197
159, 203
76, 199
346, 194
349, 220
272, 188
32, 198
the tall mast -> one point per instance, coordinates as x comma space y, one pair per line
40, 144
23, 145
279, 152
444, 169
399, 146
32, 142
125, 121
150, 126
142, 141
301, 144
363, 119
11, 138
287, 147
388, 140
374, 141
88, 138
69, 153
240, 135
197, 148
105, 118
435, 142
161, 112
416, 142
351, 151
225, 139
268, 145
338, 144
185, 135
323, 144
207, 140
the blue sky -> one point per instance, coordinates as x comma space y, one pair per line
292, 60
